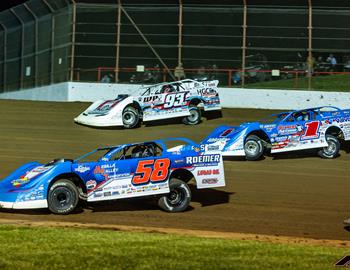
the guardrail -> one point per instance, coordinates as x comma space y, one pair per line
254, 78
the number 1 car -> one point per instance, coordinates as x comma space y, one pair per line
322, 129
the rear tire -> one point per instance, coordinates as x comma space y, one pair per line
253, 148
63, 197
178, 199
194, 118
332, 150
130, 117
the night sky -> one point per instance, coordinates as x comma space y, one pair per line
6, 4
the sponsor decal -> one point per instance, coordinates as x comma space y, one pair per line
29, 175
91, 184
98, 194
179, 161
210, 181
82, 169
107, 194
268, 127
203, 159
151, 99
36, 194
206, 92
226, 132
281, 138
208, 172
213, 140
286, 130
213, 147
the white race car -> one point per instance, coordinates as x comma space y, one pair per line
183, 98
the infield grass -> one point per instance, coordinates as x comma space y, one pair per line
337, 82
67, 248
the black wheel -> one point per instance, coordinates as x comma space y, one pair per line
63, 197
332, 150
178, 199
130, 117
194, 118
253, 147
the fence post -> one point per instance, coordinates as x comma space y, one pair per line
244, 40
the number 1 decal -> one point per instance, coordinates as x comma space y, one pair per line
311, 130
145, 173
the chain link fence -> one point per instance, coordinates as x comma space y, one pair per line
259, 44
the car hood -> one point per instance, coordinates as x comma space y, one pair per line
103, 107
30, 174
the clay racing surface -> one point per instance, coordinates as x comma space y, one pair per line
297, 195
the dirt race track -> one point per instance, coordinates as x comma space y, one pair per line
291, 195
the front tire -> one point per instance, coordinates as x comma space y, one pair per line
63, 197
194, 118
178, 199
332, 150
253, 148
130, 117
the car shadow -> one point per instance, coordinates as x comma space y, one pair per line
241, 158
297, 155
206, 197
345, 146
102, 128
209, 197
211, 115
164, 122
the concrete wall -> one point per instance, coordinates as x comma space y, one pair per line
230, 97
55, 92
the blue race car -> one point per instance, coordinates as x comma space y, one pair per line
321, 128
115, 172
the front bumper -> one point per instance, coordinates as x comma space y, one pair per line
98, 121
24, 205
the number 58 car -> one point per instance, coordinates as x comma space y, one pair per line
115, 172
322, 129
184, 99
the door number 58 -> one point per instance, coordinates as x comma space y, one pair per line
151, 170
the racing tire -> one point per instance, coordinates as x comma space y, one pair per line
194, 118
178, 199
332, 150
63, 197
253, 148
130, 117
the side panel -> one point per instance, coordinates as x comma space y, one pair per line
207, 169
164, 106
125, 178
297, 136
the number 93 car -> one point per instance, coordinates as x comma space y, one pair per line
184, 99
115, 172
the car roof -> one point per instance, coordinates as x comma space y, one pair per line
160, 142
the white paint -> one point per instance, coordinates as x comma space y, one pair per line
55, 92
230, 97
281, 99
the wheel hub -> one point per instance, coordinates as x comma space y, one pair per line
330, 149
174, 197
129, 118
193, 116
62, 197
251, 147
